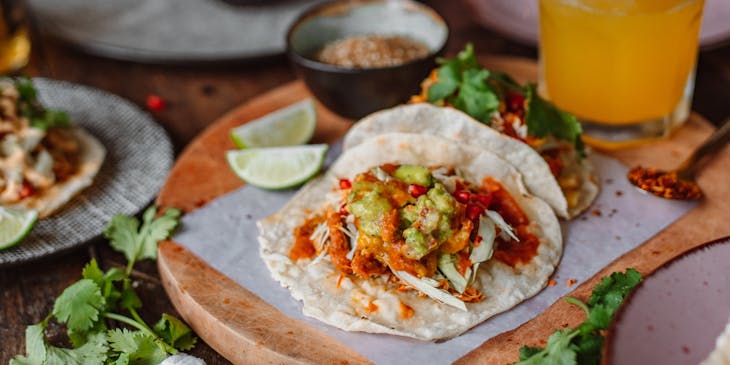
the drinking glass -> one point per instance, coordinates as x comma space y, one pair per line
14, 38
625, 68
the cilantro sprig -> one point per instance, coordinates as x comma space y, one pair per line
582, 345
31, 108
100, 310
469, 87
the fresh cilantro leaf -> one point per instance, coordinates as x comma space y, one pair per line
175, 332
126, 235
93, 352
544, 119
158, 229
583, 345
79, 305
92, 272
589, 349
527, 352
123, 359
122, 235
613, 289
30, 108
447, 81
475, 97
140, 347
79, 338
35, 346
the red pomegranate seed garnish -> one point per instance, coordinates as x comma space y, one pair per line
462, 196
473, 211
416, 190
345, 184
483, 199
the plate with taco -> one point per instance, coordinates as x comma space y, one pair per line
77, 156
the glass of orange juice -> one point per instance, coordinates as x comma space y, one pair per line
625, 68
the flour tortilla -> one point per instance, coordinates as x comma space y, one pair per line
453, 124
315, 281
91, 157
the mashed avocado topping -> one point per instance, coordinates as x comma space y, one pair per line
426, 226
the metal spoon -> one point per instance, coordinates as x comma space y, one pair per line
680, 182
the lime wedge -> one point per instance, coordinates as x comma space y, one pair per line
277, 167
15, 225
290, 126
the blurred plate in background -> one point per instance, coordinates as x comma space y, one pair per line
677, 313
518, 19
164, 31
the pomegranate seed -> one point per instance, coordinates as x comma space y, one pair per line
155, 103
515, 102
483, 199
473, 211
345, 184
462, 196
416, 190
343, 210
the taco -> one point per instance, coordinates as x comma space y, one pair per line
44, 161
412, 235
518, 112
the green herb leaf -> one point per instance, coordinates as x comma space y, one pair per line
137, 243
35, 346
79, 305
30, 108
93, 352
583, 344
175, 332
527, 352
140, 347
544, 119
613, 289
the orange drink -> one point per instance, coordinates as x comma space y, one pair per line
626, 65
14, 39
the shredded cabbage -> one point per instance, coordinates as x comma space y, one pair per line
485, 249
499, 221
439, 294
448, 268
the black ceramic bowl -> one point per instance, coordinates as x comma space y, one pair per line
354, 93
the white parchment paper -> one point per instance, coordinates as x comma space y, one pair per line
223, 233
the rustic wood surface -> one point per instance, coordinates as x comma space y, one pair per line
198, 95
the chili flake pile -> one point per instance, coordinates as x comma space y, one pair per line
663, 184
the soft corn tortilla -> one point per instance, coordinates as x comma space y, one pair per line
91, 157
453, 124
315, 281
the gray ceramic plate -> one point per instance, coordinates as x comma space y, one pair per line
171, 30
677, 313
519, 19
139, 156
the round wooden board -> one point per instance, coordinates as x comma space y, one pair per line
247, 330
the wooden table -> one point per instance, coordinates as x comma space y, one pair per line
195, 97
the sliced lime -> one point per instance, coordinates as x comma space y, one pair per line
290, 126
15, 224
277, 167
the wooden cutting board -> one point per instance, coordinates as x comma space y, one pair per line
247, 330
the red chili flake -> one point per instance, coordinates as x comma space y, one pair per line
473, 211
416, 190
155, 103
483, 199
552, 283
345, 184
26, 190
572, 282
462, 196
685, 349
619, 193
596, 212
